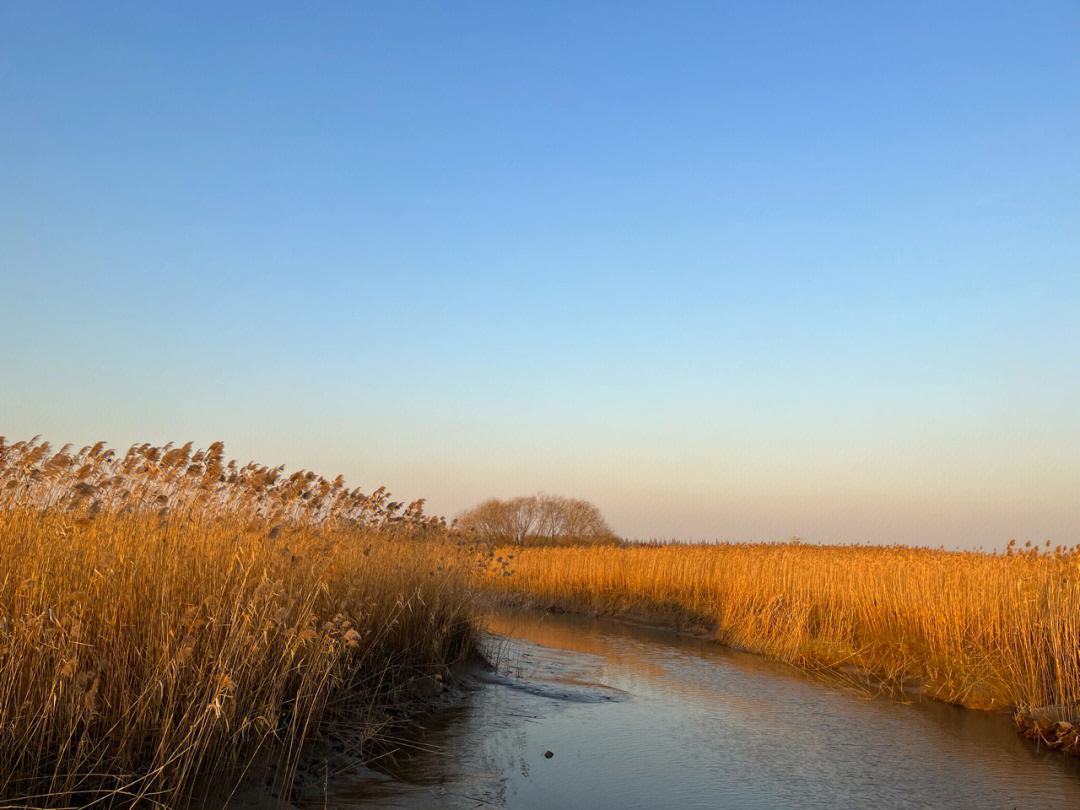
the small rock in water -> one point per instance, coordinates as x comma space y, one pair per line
549, 754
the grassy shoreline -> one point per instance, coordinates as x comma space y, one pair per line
172, 626
979, 630
144, 661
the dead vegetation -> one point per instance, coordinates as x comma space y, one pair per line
981, 630
172, 622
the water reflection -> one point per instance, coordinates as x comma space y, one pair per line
639, 718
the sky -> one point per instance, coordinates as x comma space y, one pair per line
729, 271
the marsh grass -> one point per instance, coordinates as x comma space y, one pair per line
980, 630
172, 624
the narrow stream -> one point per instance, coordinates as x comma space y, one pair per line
641, 718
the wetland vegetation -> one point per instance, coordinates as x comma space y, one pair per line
175, 626
989, 631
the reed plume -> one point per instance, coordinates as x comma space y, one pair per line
172, 621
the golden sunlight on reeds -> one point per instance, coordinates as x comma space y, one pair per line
171, 622
982, 630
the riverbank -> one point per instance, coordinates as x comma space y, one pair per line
978, 630
198, 654
639, 717
333, 758
173, 625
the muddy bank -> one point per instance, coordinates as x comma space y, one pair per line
1048, 726
347, 756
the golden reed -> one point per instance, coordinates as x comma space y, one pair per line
171, 621
977, 629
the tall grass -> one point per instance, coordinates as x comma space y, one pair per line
975, 629
171, 622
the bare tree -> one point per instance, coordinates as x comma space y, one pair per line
539, 519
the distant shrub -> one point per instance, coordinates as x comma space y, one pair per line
542, 519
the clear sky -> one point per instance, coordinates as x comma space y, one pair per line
728, 270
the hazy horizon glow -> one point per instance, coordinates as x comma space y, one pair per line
739, 273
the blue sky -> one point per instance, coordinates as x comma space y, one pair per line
728, 270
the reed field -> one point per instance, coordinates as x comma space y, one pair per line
172, 623
981, 630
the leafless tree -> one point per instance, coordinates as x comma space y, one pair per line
540, 519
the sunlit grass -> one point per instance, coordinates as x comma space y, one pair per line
976, 629
165, 634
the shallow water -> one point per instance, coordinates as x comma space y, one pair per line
641, 718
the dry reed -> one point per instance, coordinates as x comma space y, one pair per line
982, 630
171, 622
